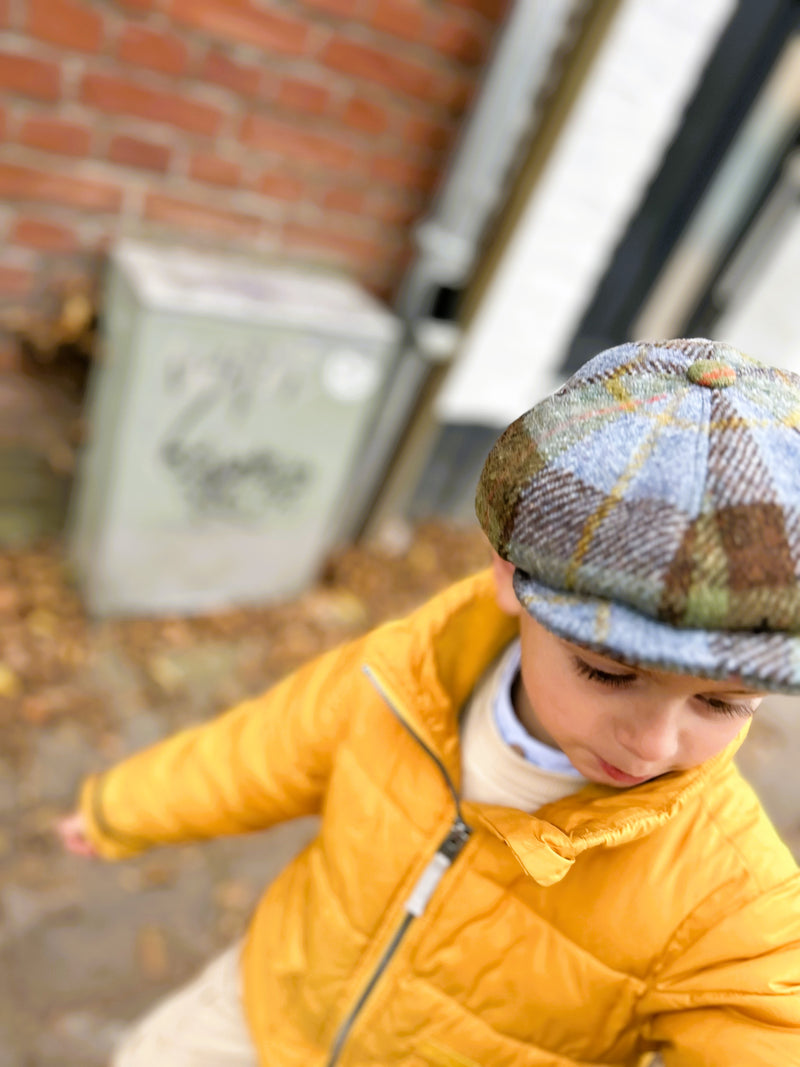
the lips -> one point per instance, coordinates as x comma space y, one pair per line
621, 776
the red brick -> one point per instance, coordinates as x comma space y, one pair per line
29, 76
287, 140
68, 23
10, 356
362, 61
453, 91
353, 201
395, 212
363, 115
244, 22
397, 170
140, 5
186, 215
462, 41
56, 135
457, 35
282, 186
242, 78
134, 152
494, 10
406, 19
344, 8
433, 135
383, 279
40, 233
148, 48
208, 168
27, 183
15, 281
339, 245
4, 12
301, 95
118, 96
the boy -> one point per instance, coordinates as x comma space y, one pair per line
532, 852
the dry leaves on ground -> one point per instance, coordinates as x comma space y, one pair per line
47, 642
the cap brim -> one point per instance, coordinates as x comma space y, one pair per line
761, 661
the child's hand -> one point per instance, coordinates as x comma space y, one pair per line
72, 833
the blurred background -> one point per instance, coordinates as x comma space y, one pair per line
274, 275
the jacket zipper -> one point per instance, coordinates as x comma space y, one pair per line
422, 891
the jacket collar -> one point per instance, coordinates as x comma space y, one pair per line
427, 666
548, 843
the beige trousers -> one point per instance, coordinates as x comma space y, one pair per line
202, 1025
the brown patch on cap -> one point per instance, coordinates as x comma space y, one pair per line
754, 539
678, 580
508, 470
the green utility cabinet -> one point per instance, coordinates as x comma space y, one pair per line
225, 417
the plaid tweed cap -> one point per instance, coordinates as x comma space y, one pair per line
651, 507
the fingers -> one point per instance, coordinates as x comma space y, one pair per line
71, 831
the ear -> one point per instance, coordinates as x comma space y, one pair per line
503, 572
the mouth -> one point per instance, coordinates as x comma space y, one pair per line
618, 775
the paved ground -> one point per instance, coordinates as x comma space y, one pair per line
85, 946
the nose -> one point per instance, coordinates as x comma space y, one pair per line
649, 733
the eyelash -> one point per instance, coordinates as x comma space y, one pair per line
720, 707
603, 677
616, 681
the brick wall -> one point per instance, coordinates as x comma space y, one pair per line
313, 130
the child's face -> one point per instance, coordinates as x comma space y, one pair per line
617, 724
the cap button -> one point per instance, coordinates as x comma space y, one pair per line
712, 373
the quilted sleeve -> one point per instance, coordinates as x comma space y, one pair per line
733, 995
266, 760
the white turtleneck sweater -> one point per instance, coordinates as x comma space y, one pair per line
501, 763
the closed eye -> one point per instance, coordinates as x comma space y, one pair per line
603, 677
725, 707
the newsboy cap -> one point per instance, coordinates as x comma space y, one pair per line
651, 507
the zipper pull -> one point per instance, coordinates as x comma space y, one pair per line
429, 879
456, 839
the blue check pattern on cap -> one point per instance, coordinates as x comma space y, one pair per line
651, 507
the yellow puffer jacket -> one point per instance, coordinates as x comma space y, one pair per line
418, 930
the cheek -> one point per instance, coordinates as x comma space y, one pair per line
708, 737
563, 707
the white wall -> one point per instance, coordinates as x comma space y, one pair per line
613, 141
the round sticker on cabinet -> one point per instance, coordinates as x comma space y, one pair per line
349, 376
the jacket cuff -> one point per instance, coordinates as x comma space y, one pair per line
111, 843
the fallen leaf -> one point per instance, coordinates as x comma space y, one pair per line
45, 704
42, 622
151, 953
10, 684
10, 600
129, 879
337, 607
156, 875
166, 673
234, 895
